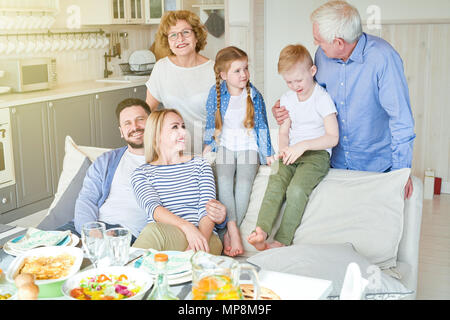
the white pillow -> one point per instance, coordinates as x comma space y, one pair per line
77, 160
329, 262
362, 208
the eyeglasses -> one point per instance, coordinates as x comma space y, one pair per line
186, 33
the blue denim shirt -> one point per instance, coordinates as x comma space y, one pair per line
261, 125
376, 126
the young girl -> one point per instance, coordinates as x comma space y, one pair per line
237, 130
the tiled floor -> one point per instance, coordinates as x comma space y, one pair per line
434, 255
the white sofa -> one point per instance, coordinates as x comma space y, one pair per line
351, 216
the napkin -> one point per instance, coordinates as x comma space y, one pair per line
354, 284
179, 261
34, 238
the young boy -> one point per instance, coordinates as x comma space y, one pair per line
305, 141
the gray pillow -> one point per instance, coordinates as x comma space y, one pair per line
63, 211
329, 262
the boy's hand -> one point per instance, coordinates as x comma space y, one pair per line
279, 113
292, 153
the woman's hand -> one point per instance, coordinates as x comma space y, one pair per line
216, 211
196, 240
279, 113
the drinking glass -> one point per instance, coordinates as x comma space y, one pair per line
94, 242
119, 240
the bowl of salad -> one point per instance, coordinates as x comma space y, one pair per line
109, 283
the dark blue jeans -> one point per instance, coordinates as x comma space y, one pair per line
71, 227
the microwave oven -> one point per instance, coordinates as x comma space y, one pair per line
24, 75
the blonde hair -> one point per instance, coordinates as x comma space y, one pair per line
170, 19
293, 54
338, 19
224, 59
152, 134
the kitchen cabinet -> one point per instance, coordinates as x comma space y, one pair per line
127, 11
7, 199
32, 162
105, 12
154, 9
38, 137
69, 117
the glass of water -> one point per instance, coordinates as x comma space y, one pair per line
94, 242
119, 240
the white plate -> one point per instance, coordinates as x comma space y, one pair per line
173, 267
144, 279
73, 241
294, 287
46, 252
139, 57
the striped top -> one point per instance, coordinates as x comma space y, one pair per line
183, 189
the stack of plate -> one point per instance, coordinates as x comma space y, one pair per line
11, 247
179, 268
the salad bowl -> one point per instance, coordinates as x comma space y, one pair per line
108, 283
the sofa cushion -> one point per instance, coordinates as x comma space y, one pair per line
362, 208
76, 161
329, 262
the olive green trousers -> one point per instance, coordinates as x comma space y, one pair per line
293, 183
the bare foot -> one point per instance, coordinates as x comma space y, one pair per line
275, 244
227, 244
258, 239
236, 243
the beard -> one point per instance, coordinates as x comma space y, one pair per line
133, 144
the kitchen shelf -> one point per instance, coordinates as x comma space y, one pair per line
209, 6
29, 10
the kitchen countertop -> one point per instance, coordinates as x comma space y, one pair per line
62, 91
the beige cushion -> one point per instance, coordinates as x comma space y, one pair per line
361, 208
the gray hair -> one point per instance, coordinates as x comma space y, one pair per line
338, 19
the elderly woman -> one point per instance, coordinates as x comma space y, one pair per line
173, 189
182, 79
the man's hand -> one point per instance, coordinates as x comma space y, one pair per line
279, 113
408, 188
216, 211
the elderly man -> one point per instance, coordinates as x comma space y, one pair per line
107, 194
364, 76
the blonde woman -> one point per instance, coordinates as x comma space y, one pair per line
182, 78
237, 129
173, 189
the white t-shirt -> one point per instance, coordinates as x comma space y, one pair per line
307, 116
121, 206
235, 136
186, 90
